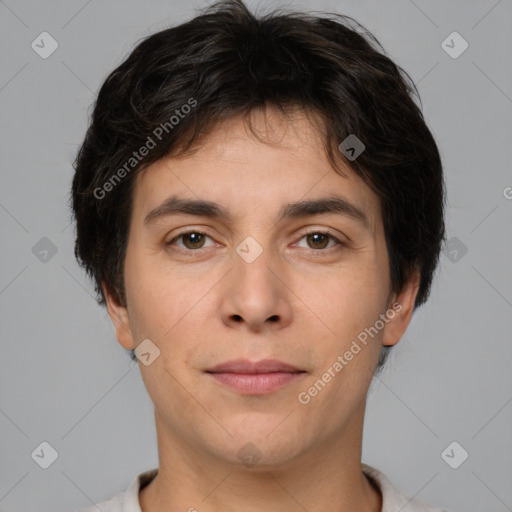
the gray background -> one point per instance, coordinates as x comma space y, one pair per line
65, 380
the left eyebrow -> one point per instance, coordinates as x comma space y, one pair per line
174, 205
331, 204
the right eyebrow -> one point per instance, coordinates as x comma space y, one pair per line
174, 205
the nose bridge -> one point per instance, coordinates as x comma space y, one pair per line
255, 249
254, 262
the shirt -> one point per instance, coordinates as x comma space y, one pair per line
392, 501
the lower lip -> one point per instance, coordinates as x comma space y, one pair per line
256, 383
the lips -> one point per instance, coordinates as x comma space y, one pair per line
254, 378
244, 366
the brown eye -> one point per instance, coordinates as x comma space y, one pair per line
318, 240
191, 240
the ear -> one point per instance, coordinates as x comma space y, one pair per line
119, 316
403, 306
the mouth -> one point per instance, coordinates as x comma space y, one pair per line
255, 378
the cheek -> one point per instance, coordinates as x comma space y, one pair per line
352, 300
153, 292
164, 306
351, 309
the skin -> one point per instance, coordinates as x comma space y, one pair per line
302, 301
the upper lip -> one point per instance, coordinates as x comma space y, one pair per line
246, 366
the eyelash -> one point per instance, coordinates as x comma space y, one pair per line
339, 243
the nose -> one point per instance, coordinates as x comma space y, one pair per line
255, 295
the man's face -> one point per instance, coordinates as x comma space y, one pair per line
256, 287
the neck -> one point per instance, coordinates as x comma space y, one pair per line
328, 476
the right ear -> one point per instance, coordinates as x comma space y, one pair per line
119, 316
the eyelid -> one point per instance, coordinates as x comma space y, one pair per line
325, 231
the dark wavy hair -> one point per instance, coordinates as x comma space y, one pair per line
231, 62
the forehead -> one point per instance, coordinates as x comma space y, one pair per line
231, 167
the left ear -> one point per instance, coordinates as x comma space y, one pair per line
403, 305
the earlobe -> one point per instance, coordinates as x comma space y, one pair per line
403, 307
119, 316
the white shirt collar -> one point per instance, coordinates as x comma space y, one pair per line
392, 501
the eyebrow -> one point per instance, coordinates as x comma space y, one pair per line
174, 205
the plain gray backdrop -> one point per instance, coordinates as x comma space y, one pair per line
64, 379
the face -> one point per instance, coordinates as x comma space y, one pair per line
259, 282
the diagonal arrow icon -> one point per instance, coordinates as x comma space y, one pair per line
40, 45
454, 45
351, 147
147, 352
44, 455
